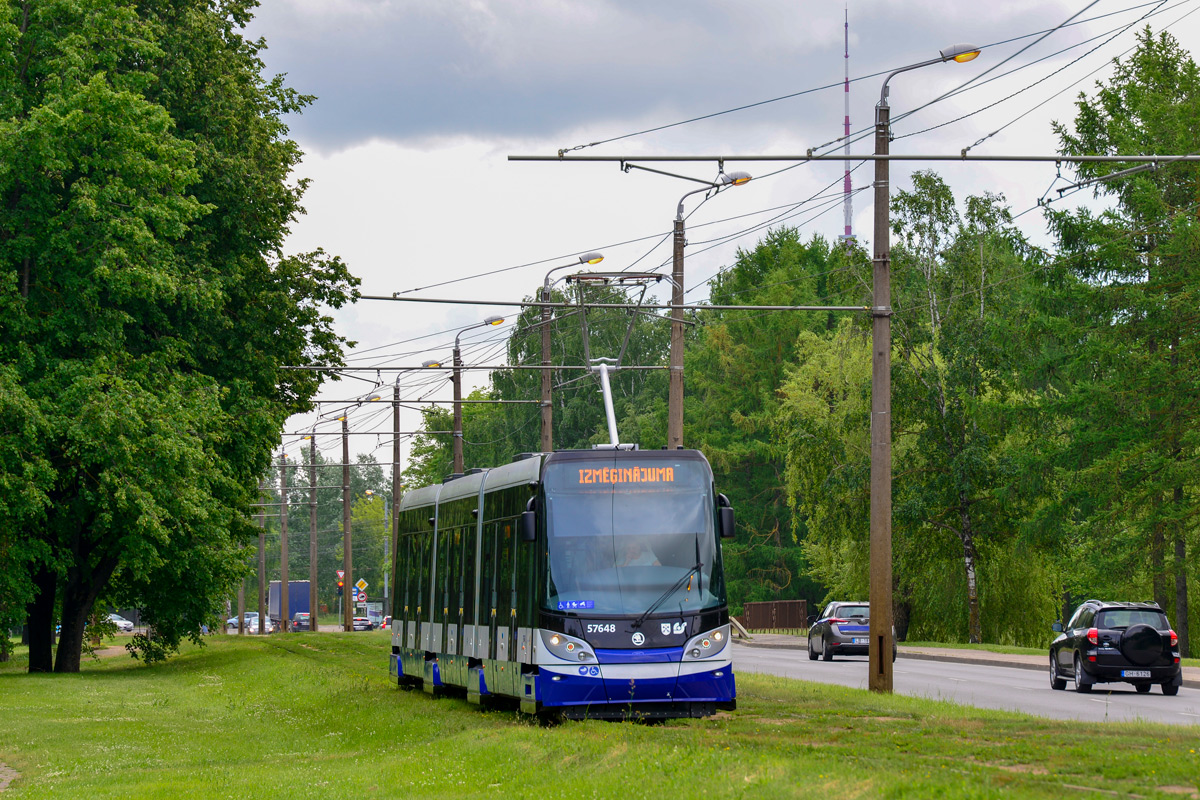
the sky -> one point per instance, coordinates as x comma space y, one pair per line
419, 104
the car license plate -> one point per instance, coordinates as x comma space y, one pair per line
861, 640
1135, 673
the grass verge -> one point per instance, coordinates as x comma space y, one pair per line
316, 715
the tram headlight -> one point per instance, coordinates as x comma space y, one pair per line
566, 647
706, 645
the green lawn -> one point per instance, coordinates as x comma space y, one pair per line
316, 716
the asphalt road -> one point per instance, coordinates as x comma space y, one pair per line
1000, 687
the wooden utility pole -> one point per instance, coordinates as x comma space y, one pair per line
879, 678
347, 557
284, 619
262, 570
675, 384
312, 532
396, 487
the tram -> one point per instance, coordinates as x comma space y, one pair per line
581, 583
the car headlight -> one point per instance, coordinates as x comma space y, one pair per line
706, 645
566, 647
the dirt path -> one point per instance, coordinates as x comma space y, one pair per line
7, 776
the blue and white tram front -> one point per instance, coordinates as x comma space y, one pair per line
633, 617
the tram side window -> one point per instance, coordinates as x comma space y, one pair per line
504, 574
487, 576
454, 587
467, 600
525, 584
442, 571
421, 564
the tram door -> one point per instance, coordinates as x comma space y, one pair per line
485, 644
505, 589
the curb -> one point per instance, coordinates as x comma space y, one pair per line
1191, 683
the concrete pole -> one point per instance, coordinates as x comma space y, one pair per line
547, 442
347, 556
284, 619
396, 488
262, 571
312, 533
880, 577
458, 430
241, 612
675, 393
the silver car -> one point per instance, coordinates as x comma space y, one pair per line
842, 629
123, 625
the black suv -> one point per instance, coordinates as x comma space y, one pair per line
1106, 642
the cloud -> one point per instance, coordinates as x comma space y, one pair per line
413, 71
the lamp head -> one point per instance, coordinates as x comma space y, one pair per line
591, 258
961, 53
494, 320
431, 363
372, 398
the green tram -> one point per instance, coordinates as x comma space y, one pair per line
581, 583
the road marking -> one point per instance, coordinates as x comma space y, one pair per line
1186, 714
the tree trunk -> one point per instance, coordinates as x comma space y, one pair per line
41, 622
79, 598
970, 557
1158, 546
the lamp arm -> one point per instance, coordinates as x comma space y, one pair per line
883, 92
709, 188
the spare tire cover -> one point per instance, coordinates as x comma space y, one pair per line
1142, 644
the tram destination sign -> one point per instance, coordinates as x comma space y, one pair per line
634, 475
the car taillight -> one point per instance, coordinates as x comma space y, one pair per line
836, 621
1093, 636
1174, 639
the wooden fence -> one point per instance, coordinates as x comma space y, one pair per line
775, 615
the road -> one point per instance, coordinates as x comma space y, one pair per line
1000, 687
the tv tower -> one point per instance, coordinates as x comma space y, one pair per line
847, 204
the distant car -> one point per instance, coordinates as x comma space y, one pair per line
842, 629
363, 624
123, 625
387, 623
252, 623
1113, 642
300, 622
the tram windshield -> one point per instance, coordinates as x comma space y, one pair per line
622, 531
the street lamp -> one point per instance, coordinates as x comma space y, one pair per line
547, 440
880, 591
675, 394
457, 380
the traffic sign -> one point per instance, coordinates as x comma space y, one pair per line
362, 597
361, 584
341, 574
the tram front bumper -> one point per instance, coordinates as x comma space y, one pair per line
690, 682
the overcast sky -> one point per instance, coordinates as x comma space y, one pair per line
420, 103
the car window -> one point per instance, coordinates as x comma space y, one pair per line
1115, 618
854, 611
1081, 613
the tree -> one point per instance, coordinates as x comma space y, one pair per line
1127, 386
146, 304
736, 364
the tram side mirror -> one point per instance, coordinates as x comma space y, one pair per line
529, 521
725, 517
727, 523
